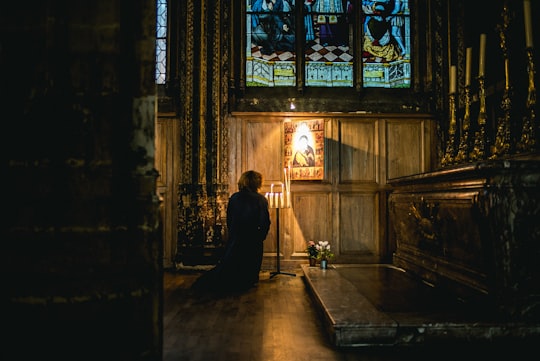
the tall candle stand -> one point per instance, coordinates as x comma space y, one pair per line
527, 142
279, 200
479, 148
448, 158
463, 150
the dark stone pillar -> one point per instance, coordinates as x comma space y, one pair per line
81, 244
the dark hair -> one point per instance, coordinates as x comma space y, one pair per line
250, 180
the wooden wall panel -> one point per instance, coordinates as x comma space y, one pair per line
358, 220
166, 157
270, 245
404, 148
263, 149
311, 220
358, 152
346, 207
161, 151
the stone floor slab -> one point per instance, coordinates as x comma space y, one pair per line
379, 305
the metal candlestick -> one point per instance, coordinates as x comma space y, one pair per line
479, 149
463, 152
278, 256
448, 158
502, 139
527, 142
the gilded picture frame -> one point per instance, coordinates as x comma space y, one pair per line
304, 149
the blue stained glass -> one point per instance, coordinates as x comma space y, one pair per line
161, 41
328, 52
271, 43
330, 44
386, 46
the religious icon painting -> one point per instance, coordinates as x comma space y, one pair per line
304, 149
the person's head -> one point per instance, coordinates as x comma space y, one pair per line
250, 180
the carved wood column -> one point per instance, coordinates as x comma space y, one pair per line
203, 191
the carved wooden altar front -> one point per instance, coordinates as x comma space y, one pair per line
473, 229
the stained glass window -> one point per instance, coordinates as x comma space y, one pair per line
161, 41
329, 43
386, 46
332, 43
271, 43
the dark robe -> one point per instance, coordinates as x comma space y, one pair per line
248, 222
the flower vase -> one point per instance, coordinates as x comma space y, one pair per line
324, 263
312, 262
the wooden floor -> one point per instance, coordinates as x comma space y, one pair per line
275, 321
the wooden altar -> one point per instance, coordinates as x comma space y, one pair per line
473, 229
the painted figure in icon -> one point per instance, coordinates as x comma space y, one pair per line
304, 155
248, 223
272, 26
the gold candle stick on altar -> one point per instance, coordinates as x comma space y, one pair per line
448, 158
501, 146
479, 149
528, 142
463, 150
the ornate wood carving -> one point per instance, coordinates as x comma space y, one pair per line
440, 75
203, 191
473, 229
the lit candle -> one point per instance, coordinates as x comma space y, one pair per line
285, 176
272, 188
528, 23
280, 195
286, 179
468, 67
482, 55
290, 175
288, 199
452, 79
287, 171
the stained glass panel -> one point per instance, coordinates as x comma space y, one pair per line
330, 39
329, 29
386, 49
161, 41
270, 53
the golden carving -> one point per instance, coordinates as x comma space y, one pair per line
502, 139
479, 149
527, 142
426, 216
203, 189
463, 152
448, 158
